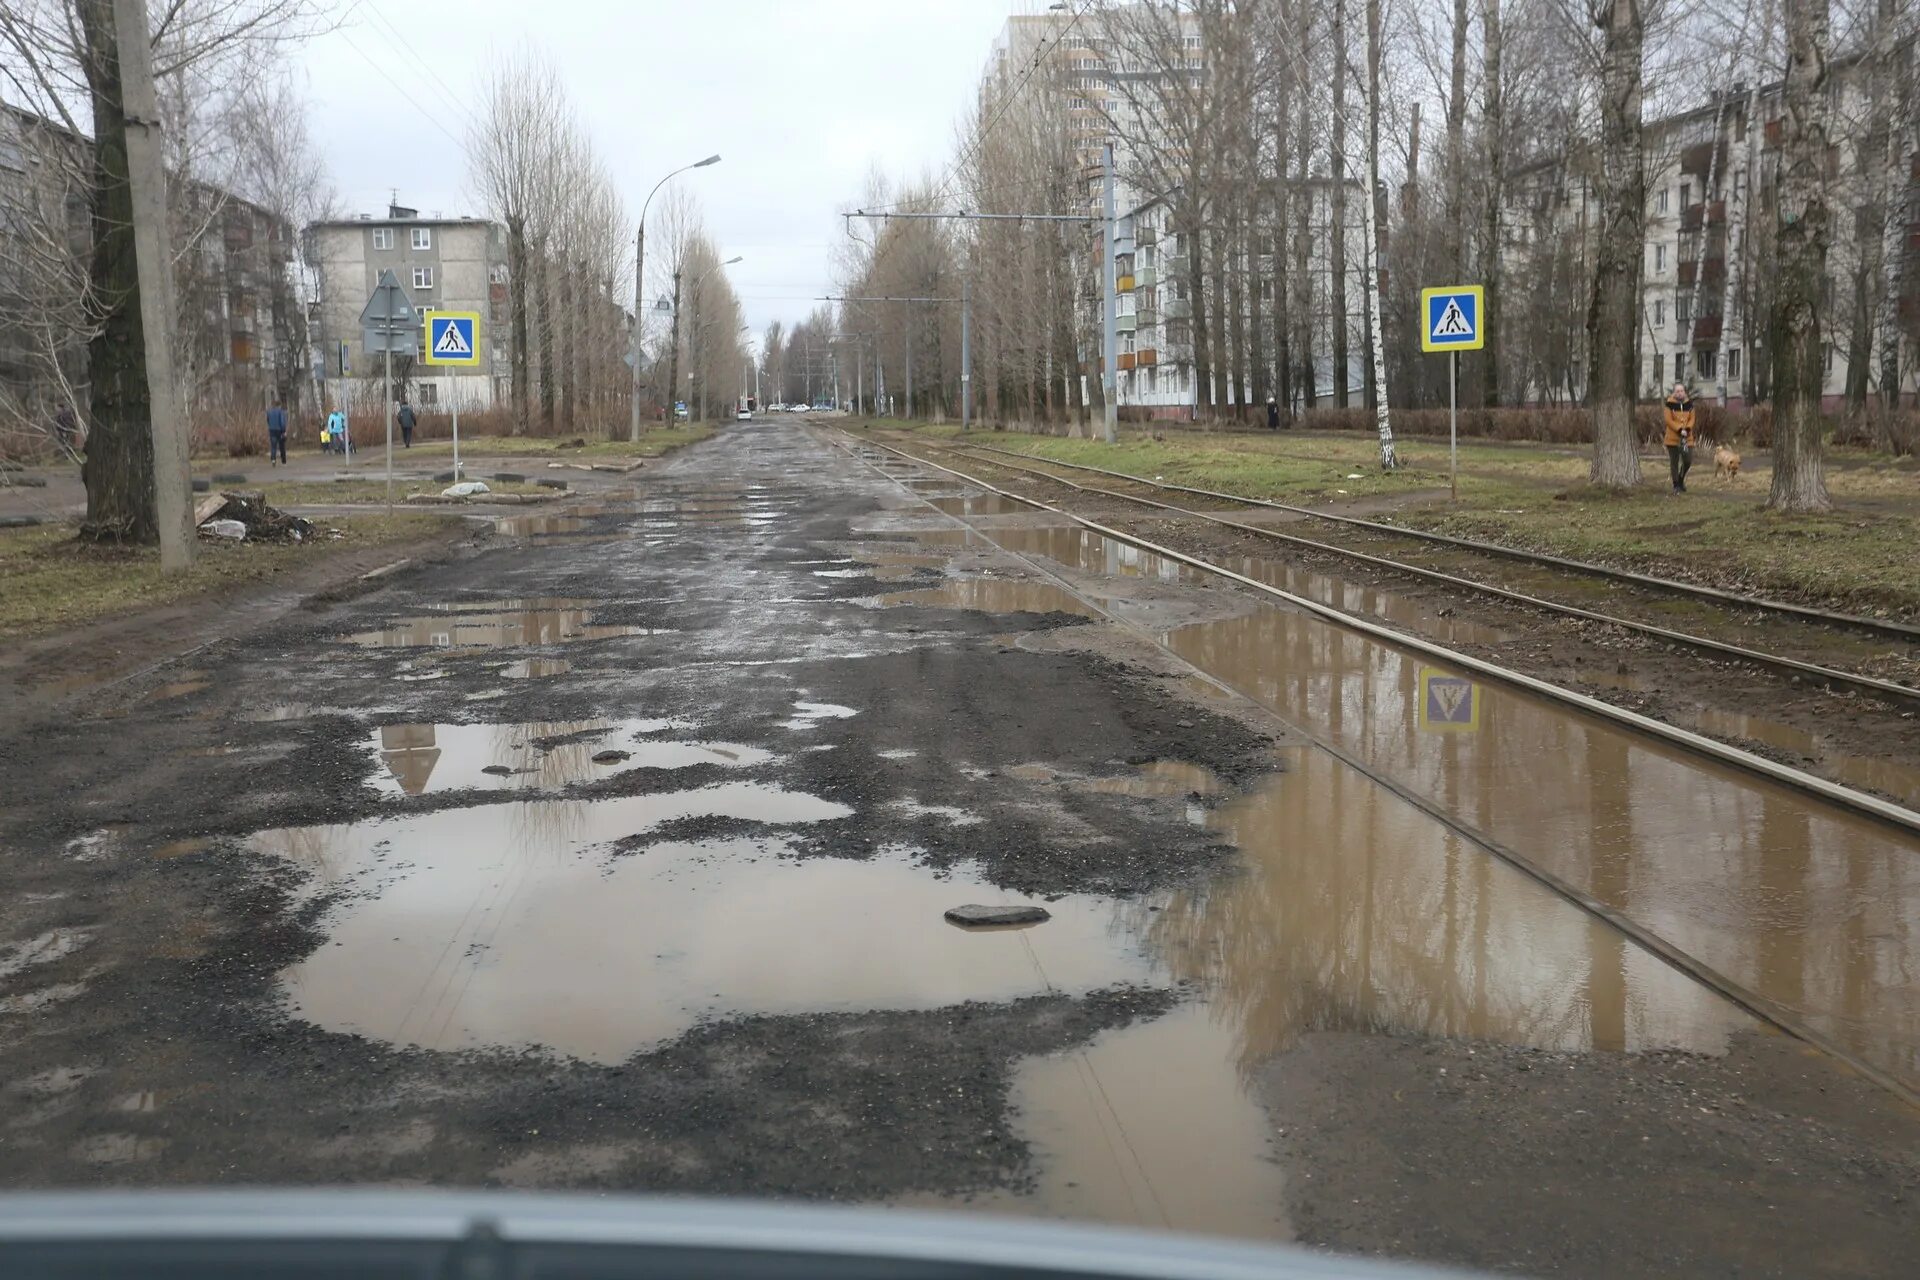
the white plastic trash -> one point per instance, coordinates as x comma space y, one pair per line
465, 489
225, 529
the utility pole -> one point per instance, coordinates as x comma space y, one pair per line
1110, 287
639, 286
966, 353
147, 184
673, 359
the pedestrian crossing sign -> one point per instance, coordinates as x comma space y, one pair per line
1452, 314
1448, 703
453, 337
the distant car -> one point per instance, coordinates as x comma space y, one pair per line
744, 415
803, 408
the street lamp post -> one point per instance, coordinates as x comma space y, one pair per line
640, 284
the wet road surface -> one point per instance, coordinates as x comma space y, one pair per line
616, 856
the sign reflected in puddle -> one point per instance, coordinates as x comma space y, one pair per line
507, 628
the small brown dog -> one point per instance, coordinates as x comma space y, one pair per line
1726, 462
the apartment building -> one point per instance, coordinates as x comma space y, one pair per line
444, 264
1712, 186
239, 340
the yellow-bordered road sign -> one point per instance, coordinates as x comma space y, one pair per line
1448, 703
453, 337
1450, 318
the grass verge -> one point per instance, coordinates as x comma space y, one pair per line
1860, 557
294, 493
53, 580
653, 442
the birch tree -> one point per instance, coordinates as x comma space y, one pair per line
1613, 314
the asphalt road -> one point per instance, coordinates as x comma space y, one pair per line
615, 855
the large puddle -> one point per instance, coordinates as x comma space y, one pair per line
1813, 909
519, 924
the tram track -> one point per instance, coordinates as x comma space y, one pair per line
1833, 677
1762, 604
1753, 1001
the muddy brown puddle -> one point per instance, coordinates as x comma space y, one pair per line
510, 625
518, 925
1806, 905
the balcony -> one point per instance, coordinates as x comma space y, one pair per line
1145, 277
1178, 308
1125, 362
1706, 331
1125, 324
1123, 284
1711, 270
1146, 357
1691, 217
1700, 158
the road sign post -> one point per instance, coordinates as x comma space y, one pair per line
453, 340
1451, 315
389, 323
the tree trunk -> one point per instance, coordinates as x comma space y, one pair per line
1612, 316
118, 466
1192, 241
1894, 83
1337, 281
1223, 392
547, 338
1494, 126
1303, 290
1282, 266
1237, 285
1799, 478
522, 285
1370, 245
1456, 146
569, 349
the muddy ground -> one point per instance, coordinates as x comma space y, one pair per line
348, 898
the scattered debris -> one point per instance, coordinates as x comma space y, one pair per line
465, 489
509, 477
217, 515
611, 756
973, 915
499, 770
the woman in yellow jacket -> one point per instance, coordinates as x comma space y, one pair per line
1680, 435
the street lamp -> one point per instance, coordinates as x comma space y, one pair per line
694, 332
639, 283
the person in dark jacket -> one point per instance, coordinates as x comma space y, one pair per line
406, 425
1680, 434
1273, 414
276, 434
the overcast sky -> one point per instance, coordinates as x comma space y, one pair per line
800, 97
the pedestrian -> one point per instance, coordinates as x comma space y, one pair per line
1680, 433
1273, 414
66, 431
337, 431
406, 424
276, 433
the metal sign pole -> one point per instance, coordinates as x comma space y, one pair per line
453, 393
1453, 425
389, 347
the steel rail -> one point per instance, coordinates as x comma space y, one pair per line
1884, 626
1830, 675
1797, 779
1763, 1007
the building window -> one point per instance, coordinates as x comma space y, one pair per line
1659, 312
1705, 363
1659, 257
1686, 194
1829, 357
1660, 200
497, 273
429, 393
1683, 308
383, 237
423, 237
1679, 366
1733, 363
423, 277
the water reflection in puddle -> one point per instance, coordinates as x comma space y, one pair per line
539, 526
979, 504
993, 595
509, 925
505, 629
418, 758
536, 668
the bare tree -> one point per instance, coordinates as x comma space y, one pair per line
1612, 317
1799, 365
